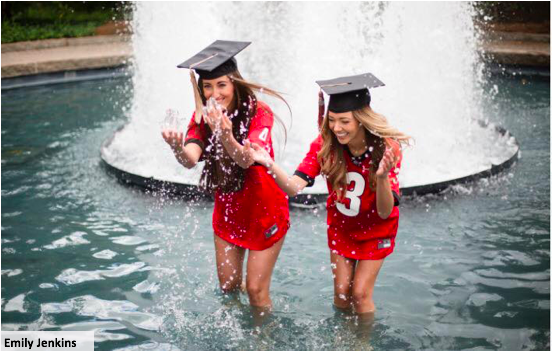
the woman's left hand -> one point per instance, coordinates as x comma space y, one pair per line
388, 161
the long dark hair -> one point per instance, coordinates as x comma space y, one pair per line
221, 172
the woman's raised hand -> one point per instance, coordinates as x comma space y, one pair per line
388, 161
171, 130
174, 138
185, 156
259, 154
217, 120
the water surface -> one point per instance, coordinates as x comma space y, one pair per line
82, 252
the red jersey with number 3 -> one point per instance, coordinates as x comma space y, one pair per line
355, 218
257, 216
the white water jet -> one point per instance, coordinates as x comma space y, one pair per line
426, 53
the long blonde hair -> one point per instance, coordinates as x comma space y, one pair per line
221, 171
379, 134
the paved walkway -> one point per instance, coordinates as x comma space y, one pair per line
55, 55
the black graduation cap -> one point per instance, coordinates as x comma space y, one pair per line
349, 93
216, 60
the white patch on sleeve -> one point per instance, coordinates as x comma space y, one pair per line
263, 134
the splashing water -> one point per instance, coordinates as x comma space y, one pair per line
425, 53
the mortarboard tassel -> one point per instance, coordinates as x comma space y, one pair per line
320, 109
197, 98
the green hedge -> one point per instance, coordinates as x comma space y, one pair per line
13, 32
36, 20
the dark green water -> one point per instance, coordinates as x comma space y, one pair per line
82, 252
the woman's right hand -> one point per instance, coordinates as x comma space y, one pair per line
187, 156
174, 139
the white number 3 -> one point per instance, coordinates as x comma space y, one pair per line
353, 195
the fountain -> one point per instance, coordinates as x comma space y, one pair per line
426, 54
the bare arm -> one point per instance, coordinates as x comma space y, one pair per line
291, 185
239, 153
384, 195
188, 155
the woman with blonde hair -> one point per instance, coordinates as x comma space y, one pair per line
359, 154
251, 211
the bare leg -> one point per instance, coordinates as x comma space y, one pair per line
363, 285
343, 270
229, 265
260, 265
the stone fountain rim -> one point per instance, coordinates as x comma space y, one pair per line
191, 191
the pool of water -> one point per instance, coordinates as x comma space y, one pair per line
80, 251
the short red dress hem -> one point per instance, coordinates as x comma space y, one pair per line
375, 249
244, 241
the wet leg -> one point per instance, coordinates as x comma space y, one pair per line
364, 281
229, 259
260, 265
343, 270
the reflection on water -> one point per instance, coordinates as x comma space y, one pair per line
82, 252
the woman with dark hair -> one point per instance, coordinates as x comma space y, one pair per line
359, 154
251, 212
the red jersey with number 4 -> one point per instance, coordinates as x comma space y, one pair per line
257, 216
354, 221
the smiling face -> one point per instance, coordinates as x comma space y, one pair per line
221, 89
346, 128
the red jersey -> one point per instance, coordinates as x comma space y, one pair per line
257, 216
355, 229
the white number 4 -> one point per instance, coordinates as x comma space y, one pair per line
263, 134
353, 195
